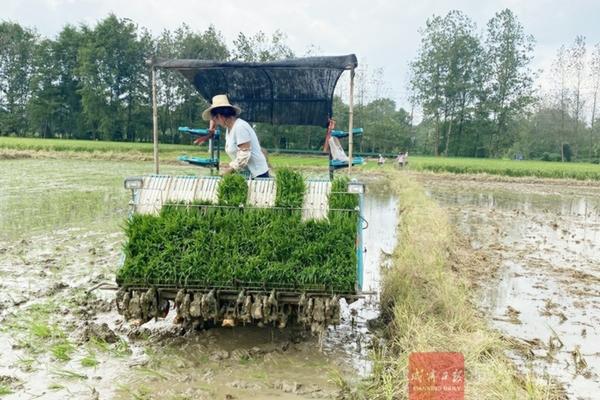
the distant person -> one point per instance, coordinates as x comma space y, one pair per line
400, 160
241, 142
380, 160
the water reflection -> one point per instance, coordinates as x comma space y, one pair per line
548, 238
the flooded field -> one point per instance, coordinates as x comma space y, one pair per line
60, 234
543, 285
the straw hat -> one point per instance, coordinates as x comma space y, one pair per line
219, 100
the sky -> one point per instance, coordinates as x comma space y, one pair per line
383, 34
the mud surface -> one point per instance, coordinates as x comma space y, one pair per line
60, 234
543, 287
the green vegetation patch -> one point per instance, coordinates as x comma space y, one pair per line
290, 189
233, 190
89, 361
4, 390
512, 168
35, 330
62, 351
219, 246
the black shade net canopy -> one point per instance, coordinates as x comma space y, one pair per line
287, 92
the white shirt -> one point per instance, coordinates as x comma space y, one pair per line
241, 133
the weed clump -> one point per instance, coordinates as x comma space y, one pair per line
221, 246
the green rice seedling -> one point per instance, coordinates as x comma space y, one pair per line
216, 246
26, 364
62, 351
290, 188
4, 390
120, 349
65, 373
511, 168
41, 330
233, 190
140, 393
98, 344
151, 372
89, 361
340, 199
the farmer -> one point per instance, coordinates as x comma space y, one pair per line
400, 159
241, 142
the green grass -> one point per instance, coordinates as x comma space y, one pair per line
512, 168
88, 146
169, 153
121, 151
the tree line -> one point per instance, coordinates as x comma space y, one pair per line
93, 82
473, 92
478, 99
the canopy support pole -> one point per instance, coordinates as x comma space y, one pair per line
350, 120
154, 120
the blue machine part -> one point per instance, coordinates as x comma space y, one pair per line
203, 162
213, 147
337, 164
343, 134
359, 244
198, 131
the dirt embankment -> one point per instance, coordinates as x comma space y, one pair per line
14, 154
428, 302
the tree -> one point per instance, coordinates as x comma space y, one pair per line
508, 55
561, 94
576, 65
179, 102
44, 105
595, 78
17, 47
443, 75
112, 66
67, 80
260, 47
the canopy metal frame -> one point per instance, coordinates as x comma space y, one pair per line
300, 91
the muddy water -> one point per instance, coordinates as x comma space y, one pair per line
379, 240
546, 291
60, 234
